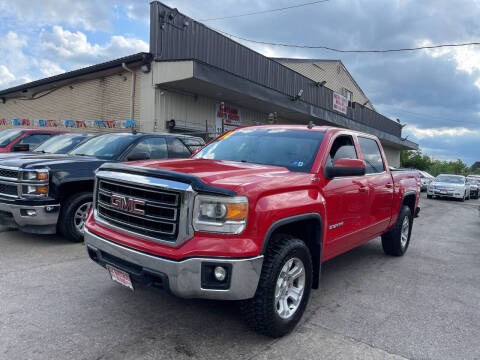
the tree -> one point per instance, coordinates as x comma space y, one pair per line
417, 160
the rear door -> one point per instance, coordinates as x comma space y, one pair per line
154, 147
346, 198
380, 184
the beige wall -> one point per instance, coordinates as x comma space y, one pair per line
196, 113
102, 98
393, 155
333, 73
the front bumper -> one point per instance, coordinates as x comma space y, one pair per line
451, 194
43, 222
183, 278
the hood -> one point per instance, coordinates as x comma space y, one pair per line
237, 176
10, 155
445, 184
60, 161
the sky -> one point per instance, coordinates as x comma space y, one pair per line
435, 92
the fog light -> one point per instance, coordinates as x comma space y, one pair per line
220, 273
31, 212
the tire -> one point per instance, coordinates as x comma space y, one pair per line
429, 196
76, 205
396, 241
263, 313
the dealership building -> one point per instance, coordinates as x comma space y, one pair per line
196, 80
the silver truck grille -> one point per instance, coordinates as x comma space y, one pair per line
8, 190
9, 174
139, 209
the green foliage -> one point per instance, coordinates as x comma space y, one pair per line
417, 160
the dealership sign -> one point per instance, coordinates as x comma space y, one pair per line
226, 117
340, 103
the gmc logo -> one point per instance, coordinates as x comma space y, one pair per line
127, 204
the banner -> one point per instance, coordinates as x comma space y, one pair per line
226, 118
340, 103
70, 124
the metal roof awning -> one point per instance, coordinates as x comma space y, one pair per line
197, 78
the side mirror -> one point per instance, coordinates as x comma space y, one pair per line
345, 167
20, 147
138, 156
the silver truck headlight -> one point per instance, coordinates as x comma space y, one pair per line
220, 214
35, 175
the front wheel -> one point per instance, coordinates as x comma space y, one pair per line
396, 241
74, 214
284, 287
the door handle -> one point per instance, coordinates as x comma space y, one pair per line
389, 186
363, 188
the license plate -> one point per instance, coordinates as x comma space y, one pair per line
443, 191
120, 277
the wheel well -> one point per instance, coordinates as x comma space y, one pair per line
409, 200
309, 231
75, 187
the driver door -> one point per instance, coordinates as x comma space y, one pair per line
347, 199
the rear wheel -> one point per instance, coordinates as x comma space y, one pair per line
74, 214
396, 241
284, 287
429, 196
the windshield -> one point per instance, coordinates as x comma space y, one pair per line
450, 179
293, 149
61, 144
7, 136
106, 147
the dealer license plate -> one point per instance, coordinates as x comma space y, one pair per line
120, 277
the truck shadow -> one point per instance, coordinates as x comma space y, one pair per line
218, 323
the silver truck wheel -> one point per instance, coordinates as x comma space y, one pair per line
81, 216
290, 287
284, 287
405, 232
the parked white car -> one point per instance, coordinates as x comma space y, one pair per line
453, 186
425, 179
474, 182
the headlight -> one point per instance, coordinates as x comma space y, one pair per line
219, 214
35, 175
35, 190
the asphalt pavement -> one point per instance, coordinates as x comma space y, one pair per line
55, 303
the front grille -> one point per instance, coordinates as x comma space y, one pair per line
7, 173
8, 190
155, 214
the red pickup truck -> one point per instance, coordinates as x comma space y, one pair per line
12, 140
250, 217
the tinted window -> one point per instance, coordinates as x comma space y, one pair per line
61, 144
371, 155
34, 139
293, 149
7, 136
177, 149
193, 143
155, 148
106, 147
342, 148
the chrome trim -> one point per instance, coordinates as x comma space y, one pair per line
139, 198
148, 217
185, 198
134, 225
9, 168
184, 277
143, 180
